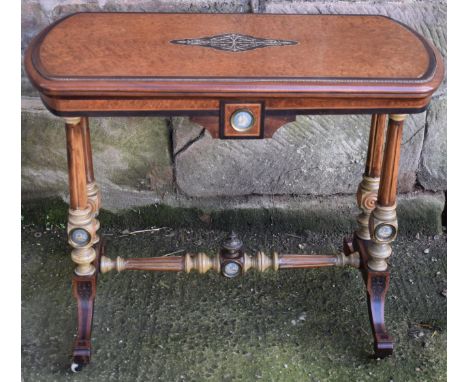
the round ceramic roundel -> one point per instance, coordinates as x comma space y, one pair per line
384, 231
242, 120
80, 237
231, 269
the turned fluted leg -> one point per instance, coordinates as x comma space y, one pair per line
383, 221
382, 230
93, 191
82, 233
369, 186
82, 225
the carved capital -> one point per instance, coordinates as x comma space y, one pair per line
367, 193
398, 117
94, 197
72, 120
366, 199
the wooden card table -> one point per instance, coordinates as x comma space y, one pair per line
241, 76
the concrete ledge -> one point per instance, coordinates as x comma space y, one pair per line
418, 213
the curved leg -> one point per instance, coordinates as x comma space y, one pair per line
383, 229
82, 236
377, 286
84, 290
377, 225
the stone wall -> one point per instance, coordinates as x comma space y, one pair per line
148, 160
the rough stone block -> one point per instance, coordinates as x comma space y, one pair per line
37, 14
131, 157
317, 155
429, 18
432, 173
184, 133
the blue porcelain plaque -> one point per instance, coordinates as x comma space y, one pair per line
242, 120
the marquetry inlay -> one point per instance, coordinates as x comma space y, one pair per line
233, 42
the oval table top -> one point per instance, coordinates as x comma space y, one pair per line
141, 55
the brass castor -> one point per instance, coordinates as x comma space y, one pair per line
77, 365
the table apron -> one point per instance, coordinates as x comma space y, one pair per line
211, 106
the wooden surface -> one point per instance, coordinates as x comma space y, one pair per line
87, 151
228, 131
84, 290
139, 45
375, 146
306, 261
167, 264
391, 159
377, 284
76, 165
135, 62
188, 105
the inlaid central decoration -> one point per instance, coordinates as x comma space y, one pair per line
233, 42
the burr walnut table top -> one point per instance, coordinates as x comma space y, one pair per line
100, 63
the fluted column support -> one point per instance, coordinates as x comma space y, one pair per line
369, 186
82, 225
383, 224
